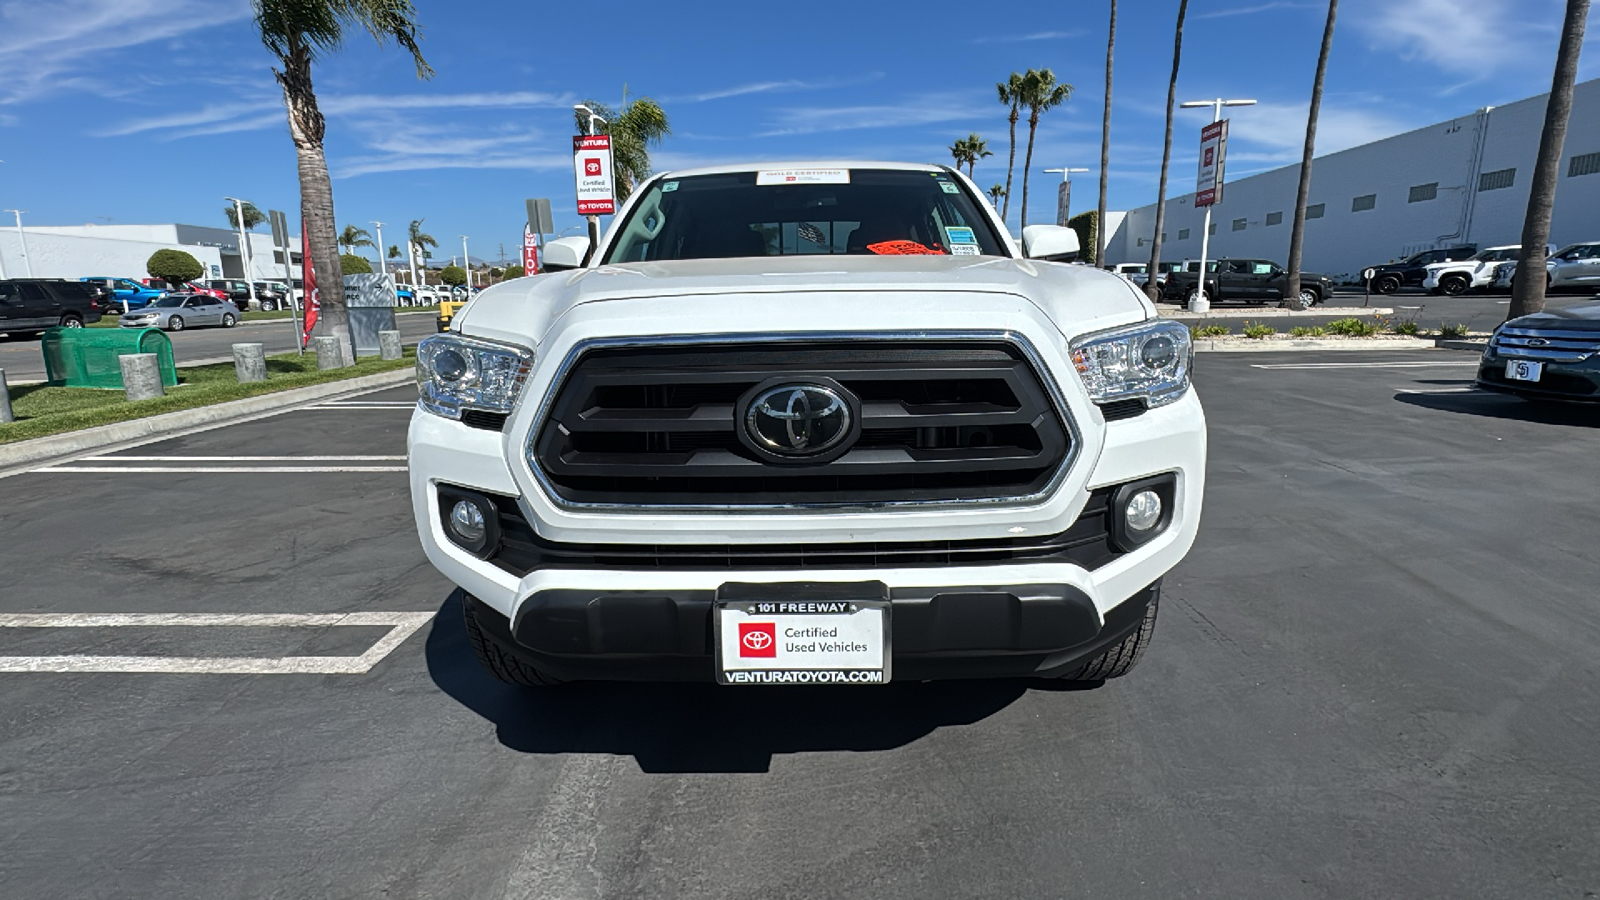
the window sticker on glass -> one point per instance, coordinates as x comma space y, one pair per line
903, 248
959, 235
949, 187
803, 176
669, 187
964, 250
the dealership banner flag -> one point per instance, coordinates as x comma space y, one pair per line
309, 276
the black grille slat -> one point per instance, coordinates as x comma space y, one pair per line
488, 421
939, 420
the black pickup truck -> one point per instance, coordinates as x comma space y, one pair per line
34, 304
1244, 281
1410, 272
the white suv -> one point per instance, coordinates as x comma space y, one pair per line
811, 423
1456, 277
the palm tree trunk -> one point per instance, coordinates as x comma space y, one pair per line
1297, 233
1527, 294
306, 127
1150, 288
1105, 149
1027, 166
1011, 163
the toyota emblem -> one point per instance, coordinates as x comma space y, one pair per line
799, 421
757, 640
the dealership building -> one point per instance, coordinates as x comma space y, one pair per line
82, 251
1462, 181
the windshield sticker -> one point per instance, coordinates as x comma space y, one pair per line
949, 188
959, 235
903, 248
803, 176
669, 187
964, 250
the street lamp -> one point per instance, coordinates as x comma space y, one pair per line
245, 257
1201, 304
594, 221
1062, 203
383, 268
466, 263
23, 237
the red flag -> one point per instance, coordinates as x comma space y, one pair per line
530, 251
309, 276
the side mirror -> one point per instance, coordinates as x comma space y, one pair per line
565, 253
1049, 242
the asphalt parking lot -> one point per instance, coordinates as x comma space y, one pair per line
1479, 311
1374, 676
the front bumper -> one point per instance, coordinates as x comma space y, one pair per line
1577, 382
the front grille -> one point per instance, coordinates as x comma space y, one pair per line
1087, 543
1547, 344
940, 420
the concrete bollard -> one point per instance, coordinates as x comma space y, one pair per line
389, 344
328, 353
141, 376
249, 363
1200, 303
5, 400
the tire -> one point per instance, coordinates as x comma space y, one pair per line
268, 306
228, 321
1116, 661
175, 323
1386, 284
71, 321
1308, 298
494, 654
1454, 285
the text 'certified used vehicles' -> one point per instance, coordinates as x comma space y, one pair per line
175, 312
1550, 355
812, 423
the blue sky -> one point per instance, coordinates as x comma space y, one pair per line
139, 111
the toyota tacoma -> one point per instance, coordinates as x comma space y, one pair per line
809, 423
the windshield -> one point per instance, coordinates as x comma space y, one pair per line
169, 302
804, 213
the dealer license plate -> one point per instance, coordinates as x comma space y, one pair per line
802, 642
1522, 370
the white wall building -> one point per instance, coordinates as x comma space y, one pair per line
82, 251
1458, 182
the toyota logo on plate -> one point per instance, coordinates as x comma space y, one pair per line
758, 640
799, 422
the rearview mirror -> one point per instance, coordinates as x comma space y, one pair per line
1049, 242
565, 253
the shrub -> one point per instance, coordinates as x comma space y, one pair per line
1258, 330
1208, 331
173, 266
512, 272
1087, 225
1307, 331
1352, 327
352, 264
453, 275
1408, 327
1458, 330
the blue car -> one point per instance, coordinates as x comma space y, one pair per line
126, 290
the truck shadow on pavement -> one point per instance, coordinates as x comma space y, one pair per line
1503, 406
680, 728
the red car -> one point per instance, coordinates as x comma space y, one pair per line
187, 287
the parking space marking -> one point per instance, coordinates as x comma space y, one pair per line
1457, 390
402, 625
209, 470
1363, 365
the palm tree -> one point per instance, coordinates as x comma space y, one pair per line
1105, 148
252, 216
1150, 288
418, 241
1527, 293
634, 129
352, 237
1297, 232
297, 32
1040, 92
394, 251
996, 191
1010, 92
959, 152
977, 148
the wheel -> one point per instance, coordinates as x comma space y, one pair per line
497, 655
1387, 284
228, 320
1455, 285
175, 323
1308, 298
268, 306
71, 321
1117, 660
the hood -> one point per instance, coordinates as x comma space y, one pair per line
1584, 317
1081, 297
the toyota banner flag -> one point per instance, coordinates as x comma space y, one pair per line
309, 276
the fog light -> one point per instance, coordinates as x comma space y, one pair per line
466, 520
1143, 511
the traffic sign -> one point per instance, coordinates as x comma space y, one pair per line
591, 161
1213, 154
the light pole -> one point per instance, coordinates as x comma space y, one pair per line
22, 236
594, 221
1202, 304
2, 259
383, 268
466, 263
245, 256
1066, 178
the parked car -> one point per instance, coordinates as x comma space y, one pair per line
404, 295
35, 304
1476, 271
1138, 273
127, 291
272, 295
1409, 272
175, 312
1550, 355
1244, 281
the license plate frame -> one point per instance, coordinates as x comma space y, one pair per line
1524, 370
845, 616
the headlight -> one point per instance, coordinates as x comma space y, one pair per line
1150, 360
456, 373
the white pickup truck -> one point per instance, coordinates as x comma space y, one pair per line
809, 423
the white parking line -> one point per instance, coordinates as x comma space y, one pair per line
211, 470
402, 625
1362, 365
1457, 390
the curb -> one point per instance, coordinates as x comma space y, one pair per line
1272, 311
1247, 346
1460, 344
101, 436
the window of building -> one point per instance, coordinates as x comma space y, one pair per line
1212, 229
1183, 234
1275, 218
1364, 203
1494, 181
1587, 164
1421, 192
1316, 210
1239, 224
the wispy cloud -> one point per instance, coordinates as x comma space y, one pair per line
772, 87
1275, 132
1474, 42
1258, 8
1034, 36
912, 112
355, 103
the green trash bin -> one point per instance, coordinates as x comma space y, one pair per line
88, 357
